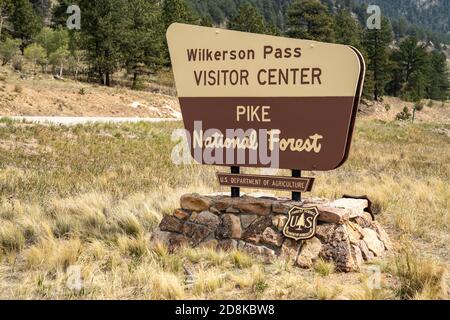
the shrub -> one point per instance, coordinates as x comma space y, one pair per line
430, 104
418, 106
18, 88
418, 275
17, 63
404, 115
324, 268
8, 49
387, 107
82, 91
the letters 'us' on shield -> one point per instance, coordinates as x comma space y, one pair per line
304, 93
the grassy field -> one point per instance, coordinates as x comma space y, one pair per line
84, 200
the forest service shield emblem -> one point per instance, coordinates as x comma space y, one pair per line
301, 223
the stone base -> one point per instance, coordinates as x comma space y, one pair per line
346, 235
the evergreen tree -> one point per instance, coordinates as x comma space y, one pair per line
25, 22
51, 40
35, 54
105, 26
144, 39
411, 67
59, 58
310, 19
376, 45
8, 49
5, 10
347, 29
248, 19
175, 11
439, 77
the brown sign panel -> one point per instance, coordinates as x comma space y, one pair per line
294, 100
266, 182
301, 223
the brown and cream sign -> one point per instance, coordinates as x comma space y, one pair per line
265, 182
301, 223
248, 99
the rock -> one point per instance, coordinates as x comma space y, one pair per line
171, 224
366, 253
177, 241
195, 202
206, 218
259, 250
337, 248
355, 232
315, 201
364, 220
181, 214
333, 215
345, 234
284, 206
357, 255
227, 245
223, 203
196, 232
230, 227
372, 242
383, 236
258, 206
159, 236
272, 237
254, 232
279, 221
324, 231
214, 210
232, 210
290, 249
356, 206
309, 253
248, 219
210, 244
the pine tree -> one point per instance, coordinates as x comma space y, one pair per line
5, 11
35, 54
144, 39
26, 23
376, 44
248, 19
347, 29
175, 11
411, 69
309, 19
8, 50
439, 77
105, 26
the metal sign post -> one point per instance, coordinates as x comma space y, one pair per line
296, 196
235, 191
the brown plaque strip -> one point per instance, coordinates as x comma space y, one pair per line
265, 182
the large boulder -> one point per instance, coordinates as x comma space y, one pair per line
195, 202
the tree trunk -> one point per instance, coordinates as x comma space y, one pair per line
135, 78
1, 25
108, 79
61, 70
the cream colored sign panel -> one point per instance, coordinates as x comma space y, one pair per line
211, 62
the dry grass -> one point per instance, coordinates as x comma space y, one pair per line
77, 210
419, 278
